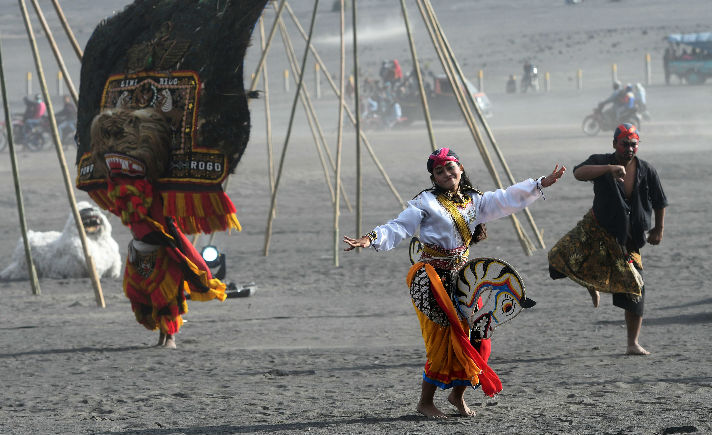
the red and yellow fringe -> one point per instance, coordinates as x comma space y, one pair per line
204, 212
194, 212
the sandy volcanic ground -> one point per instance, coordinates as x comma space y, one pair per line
329, 349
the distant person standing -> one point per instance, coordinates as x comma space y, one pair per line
511, 86
667, 57
602, 252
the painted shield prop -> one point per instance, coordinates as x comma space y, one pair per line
414, 249
501, 289
184, 60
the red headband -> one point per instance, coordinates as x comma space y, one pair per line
626, 131
442, 157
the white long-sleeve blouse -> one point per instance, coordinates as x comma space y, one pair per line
437, 226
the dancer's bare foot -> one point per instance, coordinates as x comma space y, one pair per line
170, 342
430, 411
161, 339
595, 297
636, 349
461, 406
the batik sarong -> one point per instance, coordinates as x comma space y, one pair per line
591, 257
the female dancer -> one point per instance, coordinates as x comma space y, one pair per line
450, 215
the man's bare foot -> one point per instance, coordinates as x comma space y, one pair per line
161, 340
461, 406
595, 297
170, 342
636, 349
430, 411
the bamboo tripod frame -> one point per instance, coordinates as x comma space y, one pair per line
468, 107
451, 66
484, 123
34, 282
69, 187
313, 120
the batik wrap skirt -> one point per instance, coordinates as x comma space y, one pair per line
593, 258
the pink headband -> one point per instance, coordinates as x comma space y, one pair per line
442, 157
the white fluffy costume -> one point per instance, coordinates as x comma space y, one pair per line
60, 254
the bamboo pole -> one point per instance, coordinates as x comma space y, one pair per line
268, 112
416, 66
32, 272
268, 232
339, 134
438, 43
486, 127
359, 180
263, 56
317, 135
306, 100
57, 54
62, 161
348, 111
68, 30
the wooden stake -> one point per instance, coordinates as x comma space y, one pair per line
648, 70
317, 81
32, 272
62, 161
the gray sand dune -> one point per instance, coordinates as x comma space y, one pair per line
329, 349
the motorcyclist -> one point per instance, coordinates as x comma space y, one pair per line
66, 118
621, 100
530, 78
35, 109
628, 100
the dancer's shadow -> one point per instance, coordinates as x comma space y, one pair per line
77, 350
337, 424
680, 319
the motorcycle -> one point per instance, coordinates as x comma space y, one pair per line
29, 134
606, 120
